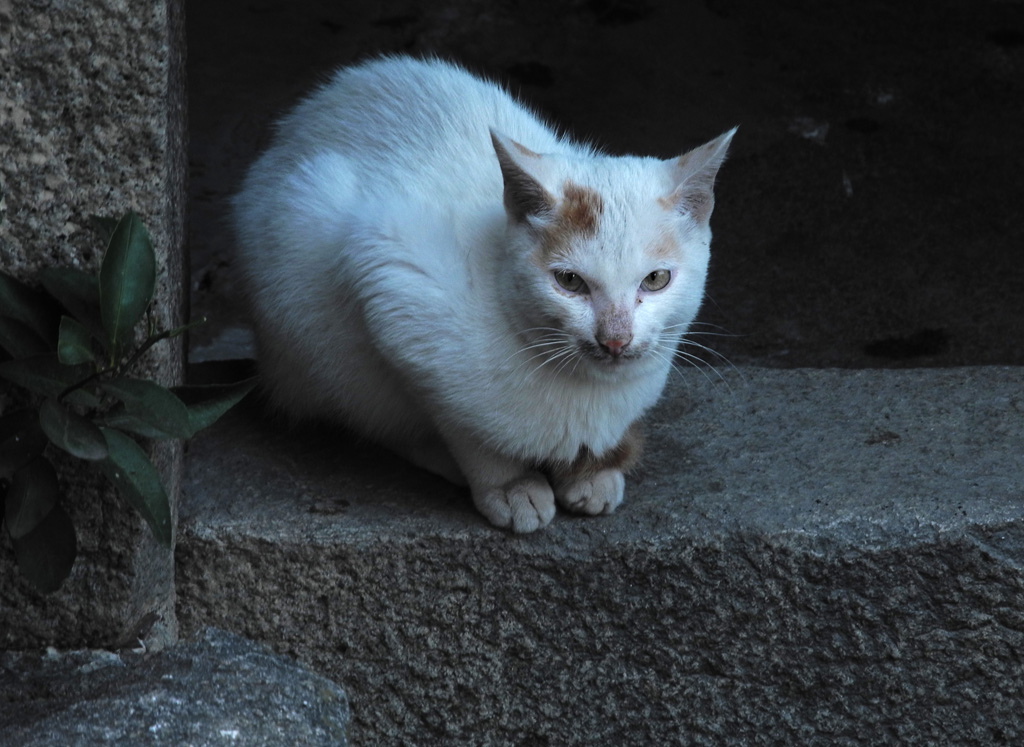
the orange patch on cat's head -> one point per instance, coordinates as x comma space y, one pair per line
578, 216
666, 248
580, 210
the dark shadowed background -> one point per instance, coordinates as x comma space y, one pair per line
869, 215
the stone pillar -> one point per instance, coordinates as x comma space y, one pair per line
92, 121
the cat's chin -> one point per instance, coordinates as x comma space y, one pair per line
604, 365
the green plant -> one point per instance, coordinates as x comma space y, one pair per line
74, 349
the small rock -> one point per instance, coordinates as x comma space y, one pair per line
218, 689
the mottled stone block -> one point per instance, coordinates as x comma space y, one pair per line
92, 122
804, 557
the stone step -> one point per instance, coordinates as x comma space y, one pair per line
813, 556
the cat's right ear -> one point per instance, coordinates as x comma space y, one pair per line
694, 174
521, 170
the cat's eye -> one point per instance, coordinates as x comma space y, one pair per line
570, 281
656, 281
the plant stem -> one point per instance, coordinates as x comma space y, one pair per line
127, 365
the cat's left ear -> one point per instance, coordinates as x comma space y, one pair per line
694, 174
522, 171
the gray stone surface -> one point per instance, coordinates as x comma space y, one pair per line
805, 556
218, 689
92, 122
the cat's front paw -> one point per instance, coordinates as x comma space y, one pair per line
600, 493
525, 504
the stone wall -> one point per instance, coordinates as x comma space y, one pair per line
92, 121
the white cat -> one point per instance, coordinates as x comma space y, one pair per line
432, 266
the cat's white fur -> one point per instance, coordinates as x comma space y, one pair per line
400, 260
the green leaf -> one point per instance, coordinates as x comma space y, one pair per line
31, 496
151, 403
127, 280
70, 431
28, 306
138, 482
74, 345
19, 339
46, 555
43, 374
104, 226
79, 293
206, 404
118, 417
21, 439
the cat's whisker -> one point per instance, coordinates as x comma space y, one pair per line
563, 359
668, 349
538, 346
546, 358
703, 333
688, 330
576, 364
563, 351
696, 362
669, 333
660, 355
549, 354
549, 339
701, 323
544, 342
713, 352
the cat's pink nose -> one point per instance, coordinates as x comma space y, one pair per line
615, 347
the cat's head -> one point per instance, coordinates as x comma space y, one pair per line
606, 257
